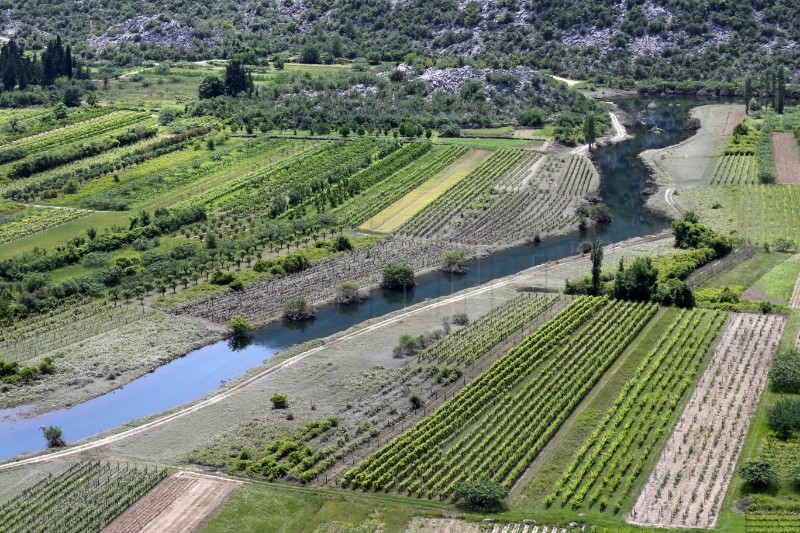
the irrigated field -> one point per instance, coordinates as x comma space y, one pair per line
690, 480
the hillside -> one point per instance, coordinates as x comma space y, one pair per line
675, 39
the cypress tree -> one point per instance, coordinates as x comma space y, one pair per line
748, 94
781, 90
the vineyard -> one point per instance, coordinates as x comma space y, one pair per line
84, 498
772, 522
469, 343
262, 301
736, 170
689, 482
37, 221
495, 427
769, 212
605, 468
519, 197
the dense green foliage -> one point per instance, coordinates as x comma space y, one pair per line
688, 40
785, 372
758, 472
482, 494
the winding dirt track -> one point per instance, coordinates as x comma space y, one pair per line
211, 400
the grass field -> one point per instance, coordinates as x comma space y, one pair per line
412, 203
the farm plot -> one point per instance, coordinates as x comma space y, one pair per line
769, 212
543, 207
469, 343
688, 484
180, 503
605, 468
84, 498
70, 134
410, 191
495, 427
262, 301
786, 155
737, 169
37, 221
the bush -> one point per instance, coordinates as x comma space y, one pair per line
398, 276
298, 309
449, 130
349, 292
416, 402
793, 475
460, 319
455, 261
54, 436
785, 372
239, 325
674, 292
219, 277
279, 401
342, 244
784, 417
483, 495
758, 472
533, 117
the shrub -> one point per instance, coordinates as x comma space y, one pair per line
398, 276
674, 292
793, 475
416, 402
219, 277
54, 436
483, 495
455, 261
785, 372
239, 325
758, 472
279, 401
342, 244
349, 292
460, 319
298, 309
449, 130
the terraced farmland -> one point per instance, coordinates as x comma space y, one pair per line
460, 445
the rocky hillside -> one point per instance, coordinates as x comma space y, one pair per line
674, 39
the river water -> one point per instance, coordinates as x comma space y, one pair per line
204, 370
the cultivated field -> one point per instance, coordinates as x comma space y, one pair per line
180, 503
84, 498
690, 480
786, 155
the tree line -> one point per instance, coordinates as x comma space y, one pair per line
19, 69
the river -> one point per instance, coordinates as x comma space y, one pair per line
203, 371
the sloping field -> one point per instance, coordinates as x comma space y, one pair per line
786, 157
181, 503
409, 205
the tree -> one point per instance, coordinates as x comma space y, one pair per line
589, 130
636, 282
279, 62
72, 97
784, 417
416, 402
748, 93
309, 54
781, 91
785, 372
398, 276
167, 115
211, 87
455, 261
484, 495
758, 472
279, 401
239, 326
54, 436
91, 233
597, 265
237, 79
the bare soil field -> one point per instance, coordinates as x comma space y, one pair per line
688, 484
180, 503
787, 158
441, 525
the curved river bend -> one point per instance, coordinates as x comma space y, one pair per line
203, 370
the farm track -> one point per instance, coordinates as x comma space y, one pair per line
698, 461
95, 443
